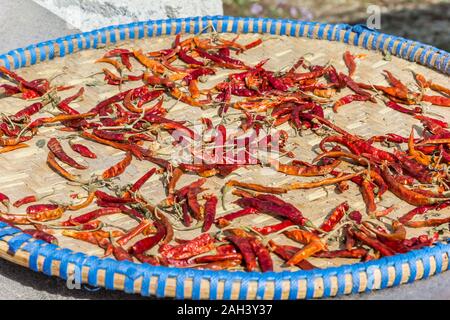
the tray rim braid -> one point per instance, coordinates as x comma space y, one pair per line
180, 283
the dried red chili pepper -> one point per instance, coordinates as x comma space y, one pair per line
85, 218
286, 253
56, 148
201, 244
349, 60
210, 212
246, 249
148, 243
51, 161
334, 218
226, 219
118, 168
83, 150
373, 243
42, 235
414, 198
285, 210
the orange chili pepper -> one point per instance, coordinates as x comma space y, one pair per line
118, 168
153, 65
53, 164
12, 148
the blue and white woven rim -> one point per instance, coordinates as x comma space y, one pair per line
196, 284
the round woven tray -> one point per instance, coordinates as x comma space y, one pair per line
25, 172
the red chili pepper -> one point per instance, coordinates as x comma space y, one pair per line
182, 54
273, 228
201, 244
28, 111
147, 243
210, 212
218, 257
287, 252
141, 181
349, 254
412, 197
4, 199
246, 249
56, 148
373, 243
226, 219
349, 60
335, 217
108, 198
437, 100
42, 235
41, 207
118, 168
121, 254
348, 99
147, 259
85, 218
83, 150
285, 210
399, 108
264, 258
194, 206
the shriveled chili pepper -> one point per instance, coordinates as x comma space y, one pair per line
427, 223
399, 108
245, 248
118, 168
56, 148
210, 212
421, 210
147, 259
352, 254
399, 233
49, 214
255, 187
153, 65
334, 218
4, 199
41, 207
306, 171
112, 199
349, 60
201, 244
373, 243
414, 198
42, 235
141, 181
437, 100
225, 220
285, 210
148, 243
83, 150
121, 254
51, 161
307, 251
287, 252
84, 218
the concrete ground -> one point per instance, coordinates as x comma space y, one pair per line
35, 24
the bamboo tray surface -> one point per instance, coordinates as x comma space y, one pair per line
25, 172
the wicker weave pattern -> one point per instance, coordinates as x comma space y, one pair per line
183, 283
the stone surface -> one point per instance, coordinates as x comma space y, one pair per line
23, 22
36, 24
91, 14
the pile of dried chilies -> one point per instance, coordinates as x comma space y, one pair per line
415, 168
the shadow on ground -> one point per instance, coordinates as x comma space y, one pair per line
17, 282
